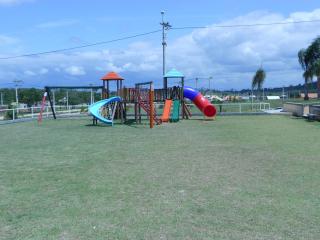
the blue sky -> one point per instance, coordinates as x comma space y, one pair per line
230, 56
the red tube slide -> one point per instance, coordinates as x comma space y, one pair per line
200, 101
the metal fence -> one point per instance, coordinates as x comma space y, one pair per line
20, 114
33, 112
242, 107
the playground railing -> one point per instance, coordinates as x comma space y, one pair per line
160, 95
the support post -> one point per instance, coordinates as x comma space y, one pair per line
119, 108
151, 95
139, 109
165, 86
114, 111
182, 97
136, 112
136, 104
108, 90
51, 104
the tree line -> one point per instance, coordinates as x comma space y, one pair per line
33, 96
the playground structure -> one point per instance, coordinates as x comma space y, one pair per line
143, 97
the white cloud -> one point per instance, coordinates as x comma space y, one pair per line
36, 72
75, 71
228, 52
56, 24
43, 71
13, 2
230, 55
29, 73
6, 40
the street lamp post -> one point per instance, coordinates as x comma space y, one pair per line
91, 94
209, 79
16, 84
67, 100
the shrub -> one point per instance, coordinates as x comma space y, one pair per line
83, 109
9, 115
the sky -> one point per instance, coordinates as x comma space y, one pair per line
229, 55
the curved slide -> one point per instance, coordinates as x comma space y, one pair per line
94, 109
200, 101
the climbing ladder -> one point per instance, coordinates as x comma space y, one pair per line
143, 98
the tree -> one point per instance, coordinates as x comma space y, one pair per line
258, 80
312, 55
30, 96
316, 71
305, 65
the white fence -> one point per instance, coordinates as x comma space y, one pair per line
77, 110
34, 112
242, 107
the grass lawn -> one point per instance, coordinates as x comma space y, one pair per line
248, 177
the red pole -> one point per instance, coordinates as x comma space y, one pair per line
151, 94
42, 107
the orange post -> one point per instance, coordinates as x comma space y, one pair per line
151, 96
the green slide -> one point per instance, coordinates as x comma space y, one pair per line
176, 111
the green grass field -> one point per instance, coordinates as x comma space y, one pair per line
248, 177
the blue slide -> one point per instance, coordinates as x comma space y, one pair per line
94, 109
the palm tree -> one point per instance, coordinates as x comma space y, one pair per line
316, 71
313, 58
258, 80
304, 62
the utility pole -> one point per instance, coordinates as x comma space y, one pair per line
209, 79
67, 100
197, 79
16, 84
1, 99
165, 27
91, 94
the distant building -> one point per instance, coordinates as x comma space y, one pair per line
311, 95
21, 105
248, 97
273, 98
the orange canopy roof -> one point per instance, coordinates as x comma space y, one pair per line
112, 76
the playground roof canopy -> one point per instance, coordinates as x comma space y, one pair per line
173, 73
112, 76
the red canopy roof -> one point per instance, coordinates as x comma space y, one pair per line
112, 76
